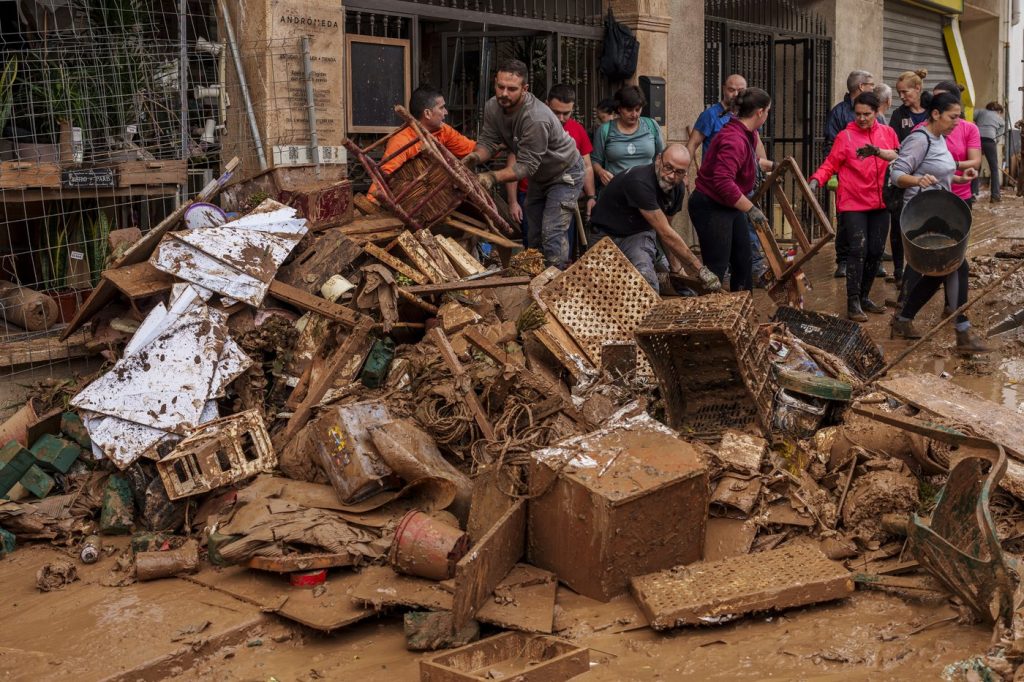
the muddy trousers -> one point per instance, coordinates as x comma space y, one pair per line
896, 242
991, 151
919, 289
549, 210
723, 233
865, 241
642, 251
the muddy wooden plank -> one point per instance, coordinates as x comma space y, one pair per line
44, 349
714, 591
329, 611
460, 285
316, 304
579, 614
395, 264
380, 586
565, 349
726, 538
966, 408
485, 235
367, 207
415, 252
427, 241
440, 341
363, 226
488, 562
488, 505
139, 280
460, 258
524, 600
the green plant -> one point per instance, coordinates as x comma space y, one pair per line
97, 232
53, 251
7, 78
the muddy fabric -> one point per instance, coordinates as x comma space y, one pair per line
56, 575
272, 527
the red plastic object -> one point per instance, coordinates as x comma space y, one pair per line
426, 547
308, 578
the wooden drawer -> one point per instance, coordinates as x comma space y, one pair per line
25, 175
151, 173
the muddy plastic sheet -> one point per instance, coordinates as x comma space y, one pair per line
239, 259
180, 359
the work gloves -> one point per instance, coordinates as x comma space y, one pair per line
868, 150
813, 184
709, 279
756, 215
486, 180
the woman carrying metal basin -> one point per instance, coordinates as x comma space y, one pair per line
925, 165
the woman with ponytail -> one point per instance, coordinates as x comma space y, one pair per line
719, 207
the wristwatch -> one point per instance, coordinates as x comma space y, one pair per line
590, 196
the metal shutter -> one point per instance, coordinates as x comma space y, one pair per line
912, 39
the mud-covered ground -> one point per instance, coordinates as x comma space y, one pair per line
177, 629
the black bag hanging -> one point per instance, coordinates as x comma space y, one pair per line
620, 52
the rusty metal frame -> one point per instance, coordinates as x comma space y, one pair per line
786, 279
466, 185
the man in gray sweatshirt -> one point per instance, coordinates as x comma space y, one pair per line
545, 154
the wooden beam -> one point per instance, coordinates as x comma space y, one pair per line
439, 340
139, 280
486, 235
462, 285
43, 349
307, 301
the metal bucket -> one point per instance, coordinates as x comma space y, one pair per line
935, 225
426, 547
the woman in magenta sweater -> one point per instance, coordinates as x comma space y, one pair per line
860, 155
719, 207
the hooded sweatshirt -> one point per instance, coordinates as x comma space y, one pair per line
860, 180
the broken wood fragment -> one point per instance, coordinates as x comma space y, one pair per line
462, 285
316, 304
395, 264
139, 280
485, 235
460, 258
438, 338
415, 252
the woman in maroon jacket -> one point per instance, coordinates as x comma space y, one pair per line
719, 207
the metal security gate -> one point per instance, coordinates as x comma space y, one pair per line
787, 51
912, 39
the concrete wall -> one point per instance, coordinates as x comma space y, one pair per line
856, 27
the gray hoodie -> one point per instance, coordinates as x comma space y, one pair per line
542, 147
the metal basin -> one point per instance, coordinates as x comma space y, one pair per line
935, 225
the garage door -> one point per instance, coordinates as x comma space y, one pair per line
912, 39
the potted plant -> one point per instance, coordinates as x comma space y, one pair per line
7, 76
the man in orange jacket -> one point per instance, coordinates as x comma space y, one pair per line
428, 105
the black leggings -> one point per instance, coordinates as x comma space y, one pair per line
920, 289
991, 152
865, 241
724, 240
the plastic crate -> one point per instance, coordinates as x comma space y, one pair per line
843, 338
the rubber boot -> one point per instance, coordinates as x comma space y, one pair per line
854, 311
871, 307
904, 329
969, 342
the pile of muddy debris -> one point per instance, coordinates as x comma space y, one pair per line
335, 419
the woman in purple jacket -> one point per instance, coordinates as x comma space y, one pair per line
719, 207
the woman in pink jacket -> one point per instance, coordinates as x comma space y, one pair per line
860, 155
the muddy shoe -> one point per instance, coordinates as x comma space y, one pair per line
854, 312
904, 329
871, 307
969, 342
840, 271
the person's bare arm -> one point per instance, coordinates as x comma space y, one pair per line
973, 160
601, 173
512, 194
589, 186
670, 239
695, 140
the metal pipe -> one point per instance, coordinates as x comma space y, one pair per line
307, 68
183, 76
244, 86
1014, 12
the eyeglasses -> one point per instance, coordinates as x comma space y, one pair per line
678, 172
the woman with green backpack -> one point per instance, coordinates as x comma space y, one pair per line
627, 141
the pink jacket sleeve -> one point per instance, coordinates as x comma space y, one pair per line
830, 166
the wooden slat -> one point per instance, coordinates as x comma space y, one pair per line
461, 285
487, 236
395, 264
460, 258
316, 304
415, 252
139, 280
426, 239
43, 349
442, 344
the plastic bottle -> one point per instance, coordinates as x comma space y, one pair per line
91, 549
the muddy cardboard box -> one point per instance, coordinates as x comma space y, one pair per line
616, 503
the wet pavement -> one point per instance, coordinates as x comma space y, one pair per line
998, 376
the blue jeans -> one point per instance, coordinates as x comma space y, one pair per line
642, 251
550, 208
525, 227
